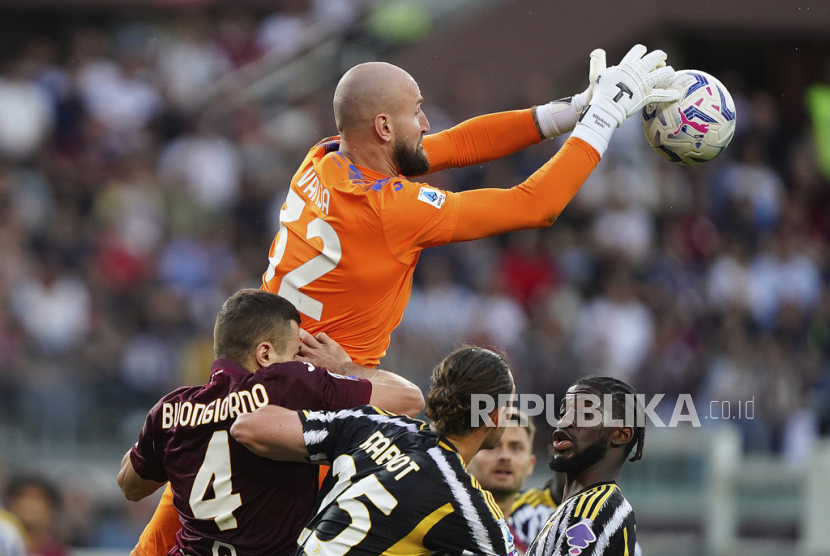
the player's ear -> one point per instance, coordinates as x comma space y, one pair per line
622, 436
383, 127
265, 354
496, 416
499, 416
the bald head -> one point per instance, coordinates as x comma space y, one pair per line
367, 90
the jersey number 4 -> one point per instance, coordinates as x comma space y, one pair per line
216, 468
310, 270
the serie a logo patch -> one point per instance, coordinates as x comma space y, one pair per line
432, 197
345, 377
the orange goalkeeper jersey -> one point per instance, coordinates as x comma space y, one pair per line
350, 237
348, 242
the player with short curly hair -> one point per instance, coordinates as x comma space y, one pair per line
594, 518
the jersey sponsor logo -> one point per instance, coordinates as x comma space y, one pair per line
579, 537
432, 197
346, 377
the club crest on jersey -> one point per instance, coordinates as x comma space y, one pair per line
579, 537
432, 197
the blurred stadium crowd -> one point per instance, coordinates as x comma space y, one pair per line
136, 196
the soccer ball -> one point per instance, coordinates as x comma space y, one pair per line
696, 128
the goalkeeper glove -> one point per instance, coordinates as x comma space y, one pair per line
623, 90
559, 116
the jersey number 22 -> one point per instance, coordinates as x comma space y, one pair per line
310, 270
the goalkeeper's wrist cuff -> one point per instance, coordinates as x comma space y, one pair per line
595, 127
557, 117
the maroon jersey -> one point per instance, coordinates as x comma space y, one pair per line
230, 501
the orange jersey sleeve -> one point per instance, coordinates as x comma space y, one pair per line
417, 216
534, 203
481, 139
348, 243
160, 534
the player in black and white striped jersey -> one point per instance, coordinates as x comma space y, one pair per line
594, 518
398, 485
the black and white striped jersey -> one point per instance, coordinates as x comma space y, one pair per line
529, 513
598, 521
395, 488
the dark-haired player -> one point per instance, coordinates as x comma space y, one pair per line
398, 485
503, 469
230, 500
594, 518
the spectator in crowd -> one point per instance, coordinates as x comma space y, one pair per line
36, 502
12, 535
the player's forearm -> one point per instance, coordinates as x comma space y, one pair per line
481, 139
272, 432
536, 203
133, 486
390, 392
393, 393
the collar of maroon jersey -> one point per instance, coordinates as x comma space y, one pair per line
229, 366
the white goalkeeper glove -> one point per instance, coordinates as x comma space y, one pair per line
559, 116
621, 91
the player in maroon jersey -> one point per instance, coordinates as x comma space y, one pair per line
230, 500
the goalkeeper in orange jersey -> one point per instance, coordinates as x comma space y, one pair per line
353, 226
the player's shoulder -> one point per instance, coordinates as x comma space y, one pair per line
180, 394
291, 371
400, 189
295, 378
286, 371
533, 497
589, 503
465, 491
371, 414
361, 412
490, 502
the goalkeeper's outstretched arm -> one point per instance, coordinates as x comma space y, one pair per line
493, 136
534, 203
619, 92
